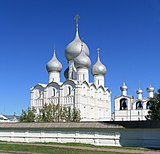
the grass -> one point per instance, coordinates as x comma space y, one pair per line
45, 150
91, 145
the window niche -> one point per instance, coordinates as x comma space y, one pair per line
53, 92
69, 90
139, 105
123, 104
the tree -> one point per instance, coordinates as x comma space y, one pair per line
51, 113
28, 116
58, 113
154, 112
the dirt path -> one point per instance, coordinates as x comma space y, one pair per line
86, 148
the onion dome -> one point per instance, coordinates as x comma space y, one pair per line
73, 49
150, 89
54, 65
139, 91
66, 73
82, 60
123, 87
98, 68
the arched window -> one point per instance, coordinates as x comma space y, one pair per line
148, 105
139, 105
53, 93
69, 90
39, 94
123, 104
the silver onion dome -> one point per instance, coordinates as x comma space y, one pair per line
150, 89
98, 68
73, 49
82, 61
54, 65
123, 87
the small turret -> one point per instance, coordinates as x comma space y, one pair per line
124, 89
150, 91
98, 71
54, 68
139, 93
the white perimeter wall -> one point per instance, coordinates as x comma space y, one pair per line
107, 137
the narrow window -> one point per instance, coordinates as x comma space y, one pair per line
69, 90
39, 94
53, 93
83, 76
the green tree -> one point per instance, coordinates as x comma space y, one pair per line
28, 115
76, 115
58, 113
154, 112
51, 113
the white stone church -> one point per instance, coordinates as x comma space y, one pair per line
92, 99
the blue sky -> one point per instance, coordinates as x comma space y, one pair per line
128, 33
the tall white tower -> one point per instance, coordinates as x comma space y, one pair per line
98, 71
54, 68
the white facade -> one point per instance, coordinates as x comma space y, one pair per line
92, 99
128, 108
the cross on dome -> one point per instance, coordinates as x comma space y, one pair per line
77, 17
74, 48
98, 50
54, 52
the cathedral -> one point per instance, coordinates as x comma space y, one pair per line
91, 98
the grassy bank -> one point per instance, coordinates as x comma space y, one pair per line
45, 149
67, 148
